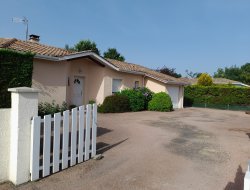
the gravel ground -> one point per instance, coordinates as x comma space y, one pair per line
186, 149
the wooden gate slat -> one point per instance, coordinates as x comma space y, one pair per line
35, 148
73, 137
46, 145
65, 147
87, 133
81, 134
56, 142
94, 127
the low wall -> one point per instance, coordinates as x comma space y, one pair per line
4, 143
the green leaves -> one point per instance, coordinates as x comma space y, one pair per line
160, 102
241, 74
216, 95
15, 71
112, 53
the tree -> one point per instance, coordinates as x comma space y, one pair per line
241, 74
168, 71
84, 45
192, 75
112, 53
205, 80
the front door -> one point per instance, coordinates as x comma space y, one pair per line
78, 93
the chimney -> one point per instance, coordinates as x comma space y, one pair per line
34, 38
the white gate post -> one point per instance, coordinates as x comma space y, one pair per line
24, 105
247, 178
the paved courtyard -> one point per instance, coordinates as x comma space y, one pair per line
191, 149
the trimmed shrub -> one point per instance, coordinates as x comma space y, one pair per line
147, 94
160, 102
222, 95
114, 104
136, 99
47, 108
205, 80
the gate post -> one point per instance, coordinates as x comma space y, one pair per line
24, 105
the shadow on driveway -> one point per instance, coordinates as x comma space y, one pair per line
238, 183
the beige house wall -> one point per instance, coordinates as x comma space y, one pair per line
56, 80
51, 78
154, 85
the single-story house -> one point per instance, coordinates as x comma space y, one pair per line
224, 81
78, 77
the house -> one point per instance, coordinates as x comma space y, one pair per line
218, 81
78, 77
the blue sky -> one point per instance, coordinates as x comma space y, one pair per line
198, 35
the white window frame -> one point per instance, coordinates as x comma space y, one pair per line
119, 88
136, 84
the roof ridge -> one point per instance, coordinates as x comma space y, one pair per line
8, 42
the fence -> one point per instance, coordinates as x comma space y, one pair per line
222, 106
33, 147
65, 141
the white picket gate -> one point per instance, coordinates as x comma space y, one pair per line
62, 141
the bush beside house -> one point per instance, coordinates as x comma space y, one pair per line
115, 104
160, 102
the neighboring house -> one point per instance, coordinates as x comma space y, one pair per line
78, 77
218, 81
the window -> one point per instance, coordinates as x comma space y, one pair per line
116, 85
137, 84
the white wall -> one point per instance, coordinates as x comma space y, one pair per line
4, 143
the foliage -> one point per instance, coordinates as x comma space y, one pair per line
241, 74
160, 102
114, 104
192, 74
91, 101
216, 95
136, 99
168, 71
147, 95
15, 71
112, 53
84, 45
205, 80
45, 108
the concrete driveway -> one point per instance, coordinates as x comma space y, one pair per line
186, 149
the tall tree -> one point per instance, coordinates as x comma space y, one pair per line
112, 53
192, 74
241, 74
168, 71
84, 45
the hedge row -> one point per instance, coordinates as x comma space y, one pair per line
15, 71
216, 95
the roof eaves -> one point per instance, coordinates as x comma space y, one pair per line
47, 57
167, 81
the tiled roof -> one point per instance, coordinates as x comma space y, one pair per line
128, 67
41, 49
27, 46
215, 80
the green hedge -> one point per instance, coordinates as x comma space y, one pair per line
15, 71
220, 95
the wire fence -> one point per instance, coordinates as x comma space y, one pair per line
223, 107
